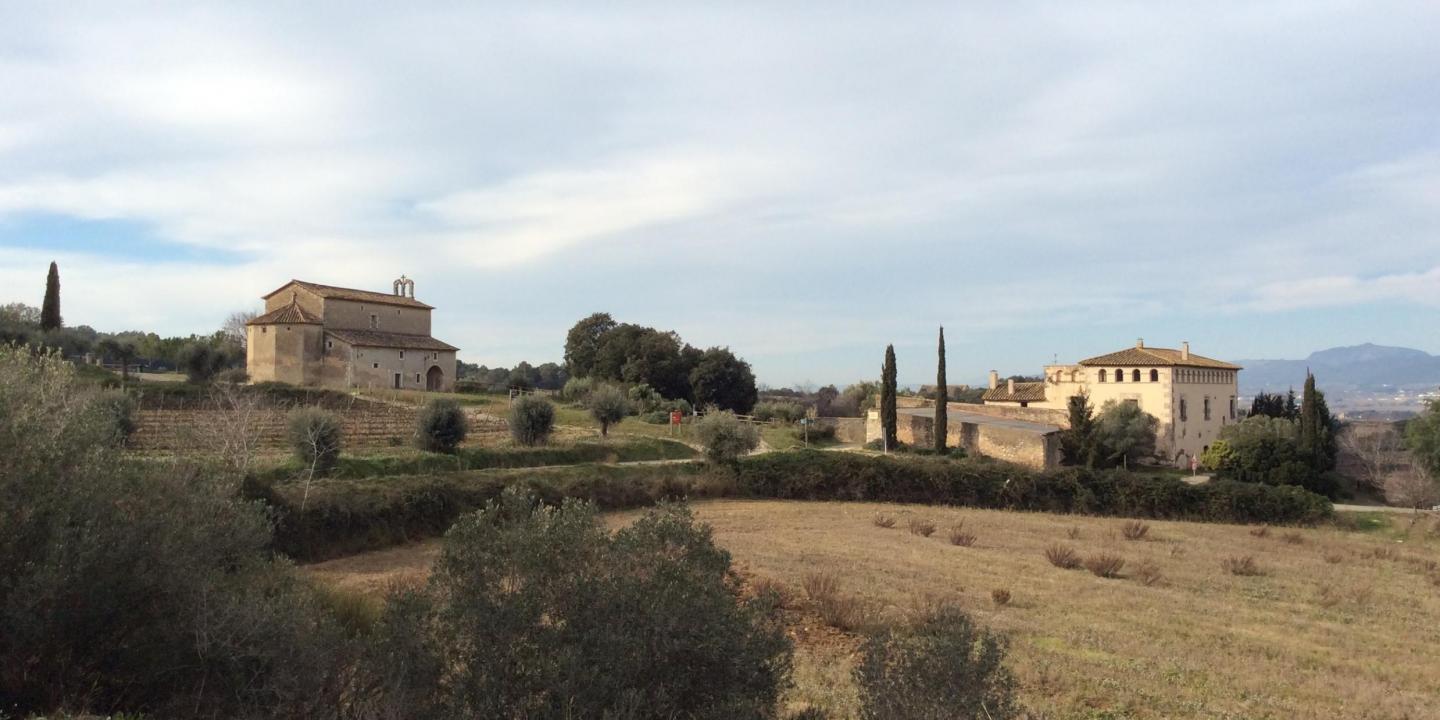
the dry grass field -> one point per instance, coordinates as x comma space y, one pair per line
1333, 624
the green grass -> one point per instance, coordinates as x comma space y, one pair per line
412, 462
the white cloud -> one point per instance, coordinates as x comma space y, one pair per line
1421, 288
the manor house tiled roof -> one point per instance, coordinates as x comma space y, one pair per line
1147, 356
375, 338
339, 293
1024, 392
291, 314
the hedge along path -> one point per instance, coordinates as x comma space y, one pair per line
342, 517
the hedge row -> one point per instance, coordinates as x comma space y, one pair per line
341, 517
416, 463
976, 482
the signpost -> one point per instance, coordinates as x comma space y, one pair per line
675, 418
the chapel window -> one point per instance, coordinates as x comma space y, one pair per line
1207, 408
1184, 410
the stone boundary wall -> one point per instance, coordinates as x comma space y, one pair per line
1036, 450
366, 424
1035, 415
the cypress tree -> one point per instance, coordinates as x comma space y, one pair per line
888, 421
1314, 438
942, 396
1077, 443
50, 310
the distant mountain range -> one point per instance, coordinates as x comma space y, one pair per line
1365, 367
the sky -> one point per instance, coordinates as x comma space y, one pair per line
802, 182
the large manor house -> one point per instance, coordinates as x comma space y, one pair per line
1192, 396
334, 337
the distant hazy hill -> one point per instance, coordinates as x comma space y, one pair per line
1360, 367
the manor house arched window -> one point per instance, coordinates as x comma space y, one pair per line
1119, 375
1154, 376
1135, 375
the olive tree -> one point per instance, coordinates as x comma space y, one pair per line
608, 405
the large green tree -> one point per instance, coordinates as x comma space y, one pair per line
50, 310
1126, 433
942, 396
888, 420
583, 342
1422, 435
723, 380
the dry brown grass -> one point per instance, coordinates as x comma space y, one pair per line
922, 527
1073, 533
1201, 643
1135, 530
1260, 532
884, 520
1147, 573
1000, 596
1294, 538
1062, 557
1105, 565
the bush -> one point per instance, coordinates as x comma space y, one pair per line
644, 399
532, 419
1135, 530
977, 482
540, 612
1105, 565
577, 389
883, 520
940, 666
234, 376
441, 427
139, 587
315, 435
1244, 566
1062, 557
961, 537
118, 412
726, 437
1000, 596
608, 405
921, 527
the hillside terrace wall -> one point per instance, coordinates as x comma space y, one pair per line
365, 424
1028, 447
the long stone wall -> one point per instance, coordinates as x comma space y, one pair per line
366, 424
1031, 448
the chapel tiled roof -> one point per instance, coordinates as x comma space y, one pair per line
340, 293
1147, 356
376, 338
1024, 392
291, 314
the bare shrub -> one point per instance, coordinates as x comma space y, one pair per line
1334, 558
922, 527
1260, 532
1062, 557
1148, 573
1000, 596
1135, 530
1412, 487
762, 586
1105, 565
1382, 553
1244, 566
1293, 538
1073, 533
846, 612
883, 520
961, 537
820, 586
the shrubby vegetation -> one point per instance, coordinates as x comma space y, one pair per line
441, 427
539, 612
524, 376
939, 665
1124, 434
787, 412
118, 410
531, 420
315, 436
139, 587
1278, 450
726, 438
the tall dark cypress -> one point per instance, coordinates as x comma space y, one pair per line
1314, 437
888, 421
942, 396
50, 310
